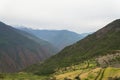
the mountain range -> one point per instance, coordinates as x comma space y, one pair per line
95, 57
58, 38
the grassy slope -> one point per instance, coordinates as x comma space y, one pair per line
87, 70
21, 76
90, 70
100, 43
84, 73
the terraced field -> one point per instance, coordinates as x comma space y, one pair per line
95, 74
87, 71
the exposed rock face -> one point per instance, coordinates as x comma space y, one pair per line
109, 60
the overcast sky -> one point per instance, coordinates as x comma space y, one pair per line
75, 15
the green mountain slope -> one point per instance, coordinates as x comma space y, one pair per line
102, 42
19, 50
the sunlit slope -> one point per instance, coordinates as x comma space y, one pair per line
100, 43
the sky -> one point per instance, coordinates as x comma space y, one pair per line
80, 16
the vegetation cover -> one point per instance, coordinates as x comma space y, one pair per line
104, 41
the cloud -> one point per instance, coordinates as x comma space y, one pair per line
76, 15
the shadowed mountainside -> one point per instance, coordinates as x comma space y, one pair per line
20, 49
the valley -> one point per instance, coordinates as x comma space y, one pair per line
95, 57
59, 39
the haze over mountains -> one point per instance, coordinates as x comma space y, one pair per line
19, 49
58, 38
105, 41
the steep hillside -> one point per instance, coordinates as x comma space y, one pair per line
45, 44
59, 38
102, 42
18, 50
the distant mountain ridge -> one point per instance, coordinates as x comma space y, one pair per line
58, 38
102, 42
19, 49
